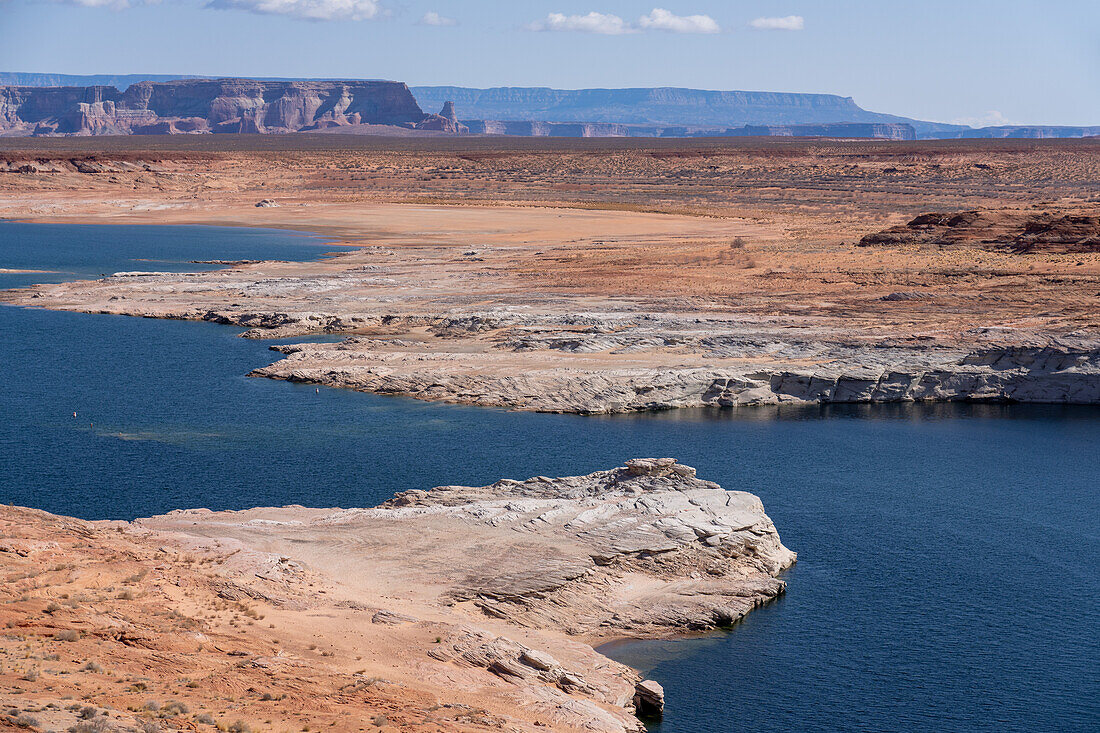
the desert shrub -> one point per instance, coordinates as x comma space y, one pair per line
91, 666
149, 726
205, 719
26, 721
239, 726
52, 658
174, 707
126, 595
87, 712
31, 675
95, 725
53, 606
67, 635
152, 706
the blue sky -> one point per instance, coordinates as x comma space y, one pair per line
976, 61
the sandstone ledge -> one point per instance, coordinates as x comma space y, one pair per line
454, 609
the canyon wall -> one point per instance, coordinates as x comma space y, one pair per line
198, 106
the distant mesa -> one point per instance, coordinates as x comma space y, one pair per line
57, 104
209, 106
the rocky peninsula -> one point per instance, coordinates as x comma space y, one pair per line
455, 609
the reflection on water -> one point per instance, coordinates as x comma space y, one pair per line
949, 555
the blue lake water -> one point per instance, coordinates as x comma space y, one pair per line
949, 556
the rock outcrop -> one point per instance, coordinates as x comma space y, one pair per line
847, 374
1013, 231
199, 106
454, 609
641, 550
445, 121
647, 549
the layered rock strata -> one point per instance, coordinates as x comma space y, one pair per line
846, 373
203, 106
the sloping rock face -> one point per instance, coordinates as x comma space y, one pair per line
645, 549
224, 105
1017, 232
715, 552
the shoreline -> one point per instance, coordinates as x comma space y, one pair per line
545, 358
468, 284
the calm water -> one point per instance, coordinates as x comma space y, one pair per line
949, 563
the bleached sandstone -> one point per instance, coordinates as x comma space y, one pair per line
562, 379
514, 578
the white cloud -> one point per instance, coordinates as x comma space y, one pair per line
788, 23
658, 19
609, 25
433, 18
305, 9
110, 4
662, 20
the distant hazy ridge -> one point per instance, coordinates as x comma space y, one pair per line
662, 107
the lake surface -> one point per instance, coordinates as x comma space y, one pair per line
949, 556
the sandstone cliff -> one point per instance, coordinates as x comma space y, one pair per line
199, 106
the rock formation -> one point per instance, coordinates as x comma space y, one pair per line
197, 106
395, 614
445, 121
771, 373
1018, 232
